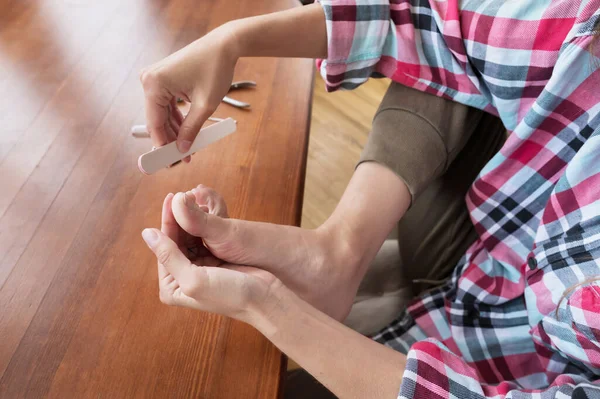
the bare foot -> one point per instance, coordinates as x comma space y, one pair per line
317, 265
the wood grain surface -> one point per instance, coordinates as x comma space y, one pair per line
79, 309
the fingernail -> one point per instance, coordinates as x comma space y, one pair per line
184, 146
150, 237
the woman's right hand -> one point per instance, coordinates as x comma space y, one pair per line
200, 73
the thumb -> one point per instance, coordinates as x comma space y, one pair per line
196, 221
167, 252
191, 126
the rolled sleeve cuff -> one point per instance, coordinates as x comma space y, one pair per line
359, 42
408, 145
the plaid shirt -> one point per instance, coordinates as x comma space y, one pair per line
498, 327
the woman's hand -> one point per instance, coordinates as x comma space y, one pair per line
200, 73
317, 342
202, 282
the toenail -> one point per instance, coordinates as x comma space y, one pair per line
189, 200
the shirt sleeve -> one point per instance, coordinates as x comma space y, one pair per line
562, 293
563, 276
417, 43
418, 136
359, 42
433, 371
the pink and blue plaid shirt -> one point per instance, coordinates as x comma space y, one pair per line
498, 328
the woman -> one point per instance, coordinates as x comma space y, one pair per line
519, 315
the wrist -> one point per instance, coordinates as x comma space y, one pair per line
234, 39
228, 38
267, 315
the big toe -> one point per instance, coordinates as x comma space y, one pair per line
195, 219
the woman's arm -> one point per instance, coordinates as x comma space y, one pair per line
347, 363
298, 32
202, 71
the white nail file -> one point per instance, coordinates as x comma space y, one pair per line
167, 155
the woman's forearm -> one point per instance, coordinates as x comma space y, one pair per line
298, 32
347, 363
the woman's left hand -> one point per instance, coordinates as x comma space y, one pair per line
317, 342
204, 282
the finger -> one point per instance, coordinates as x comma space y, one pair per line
156, 117
195, 221
168, 224
166, 283
173, 124
174, 127
173, 120
179, 117
191, 126
171, 135
177, 114
206, 196
170, 228
167, 253
156, 100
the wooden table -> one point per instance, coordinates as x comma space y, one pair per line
79, 308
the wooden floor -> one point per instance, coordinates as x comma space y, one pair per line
340, 124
